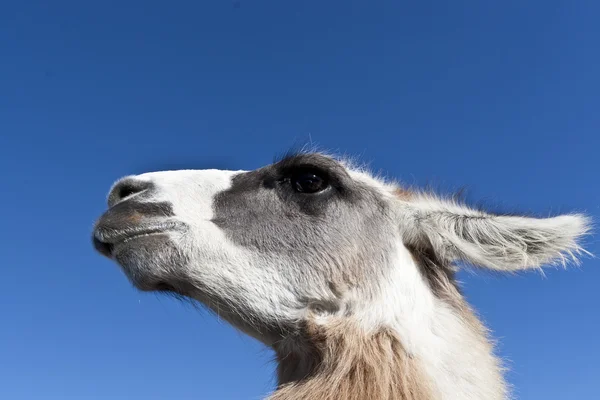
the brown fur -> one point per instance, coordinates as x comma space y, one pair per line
340, 361
403, 194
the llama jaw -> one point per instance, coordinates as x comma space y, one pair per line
146, 259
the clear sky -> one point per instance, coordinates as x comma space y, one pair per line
499, 97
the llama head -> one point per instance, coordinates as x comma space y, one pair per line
309, 237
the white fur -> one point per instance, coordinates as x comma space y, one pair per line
457, 361
502, 243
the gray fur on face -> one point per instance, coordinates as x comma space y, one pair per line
340, 228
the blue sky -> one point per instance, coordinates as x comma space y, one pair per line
499, 97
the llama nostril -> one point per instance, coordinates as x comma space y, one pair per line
126, 191
126, 188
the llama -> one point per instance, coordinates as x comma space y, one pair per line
347, 277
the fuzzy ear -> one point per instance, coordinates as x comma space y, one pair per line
504, 243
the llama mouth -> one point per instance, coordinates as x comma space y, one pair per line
107, 248
106, 241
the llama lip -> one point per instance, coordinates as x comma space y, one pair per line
107, 248
106, 240
113, 237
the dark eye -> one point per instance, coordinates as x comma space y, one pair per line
308, 182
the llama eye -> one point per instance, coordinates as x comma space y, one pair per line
308, 182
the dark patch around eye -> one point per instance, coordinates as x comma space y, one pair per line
308, 182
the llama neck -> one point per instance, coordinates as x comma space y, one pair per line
339, 361
419, 301
416, 338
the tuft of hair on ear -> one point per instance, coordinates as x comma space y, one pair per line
507, 243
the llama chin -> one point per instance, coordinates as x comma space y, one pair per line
349, 278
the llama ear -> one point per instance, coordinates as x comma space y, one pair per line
504, 243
